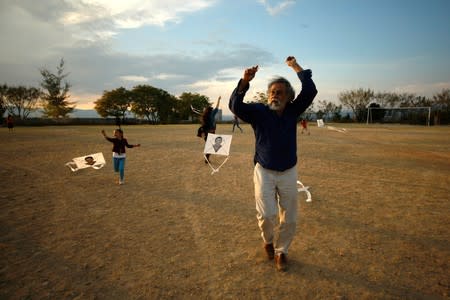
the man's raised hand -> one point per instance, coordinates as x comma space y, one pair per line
292, 62
249, 73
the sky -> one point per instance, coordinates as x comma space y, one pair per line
204, 46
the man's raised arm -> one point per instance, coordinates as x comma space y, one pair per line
309, 91
249, 74
292, 62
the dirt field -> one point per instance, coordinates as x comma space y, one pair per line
378, 226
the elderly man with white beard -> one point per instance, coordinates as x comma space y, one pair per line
275, 171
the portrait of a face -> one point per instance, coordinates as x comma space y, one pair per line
217, 143
89, 160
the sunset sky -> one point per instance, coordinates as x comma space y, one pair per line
203, 46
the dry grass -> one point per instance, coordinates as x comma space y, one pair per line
378, 226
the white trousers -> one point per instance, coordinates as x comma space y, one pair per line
276, 205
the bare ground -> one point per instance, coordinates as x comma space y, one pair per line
378, 226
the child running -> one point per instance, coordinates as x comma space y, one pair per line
304, 124
10, 123
119, 144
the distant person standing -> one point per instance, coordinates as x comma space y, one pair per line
236, 123
118, 123
10, 123
119, 144
304, 124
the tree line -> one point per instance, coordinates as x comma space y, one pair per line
158, 106
144, 101
356, 102
155, 105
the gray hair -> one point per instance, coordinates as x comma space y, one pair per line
289, 89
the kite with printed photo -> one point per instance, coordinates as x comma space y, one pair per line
95, 161
321, 124
217, 144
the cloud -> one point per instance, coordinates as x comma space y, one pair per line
165, 76
94, 20
276, 8
134, 78
95, 16
423, 89
38, 36
94, 68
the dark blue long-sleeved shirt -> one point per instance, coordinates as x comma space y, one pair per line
210, 123
276, 136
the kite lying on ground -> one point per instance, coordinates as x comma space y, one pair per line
302, 188
96, 161
321, 124
217, 144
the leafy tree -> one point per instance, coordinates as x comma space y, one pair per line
261, 98
320, 114
3, 90
114, 103
144, 102
441, 107
55, 98
443, 99
376, 115
165, 105
308, 114
186, 100
329, 110
155, 104
336, 112
411, 100
387, 99
21, 101
347, 118
398, 100
312, 111
357, 101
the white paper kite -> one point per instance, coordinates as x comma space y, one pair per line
321, 124
302, 188
196, 111
217, 144
343, 130
95, 161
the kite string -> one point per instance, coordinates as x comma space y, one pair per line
217, 169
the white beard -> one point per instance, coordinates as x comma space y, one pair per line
275, 106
